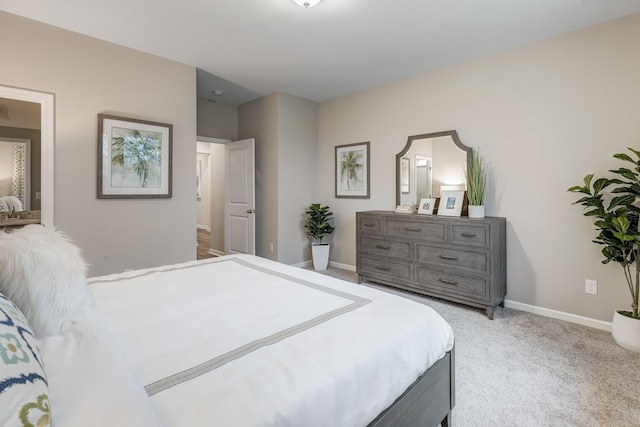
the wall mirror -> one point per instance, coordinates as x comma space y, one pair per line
429, 164
16, 121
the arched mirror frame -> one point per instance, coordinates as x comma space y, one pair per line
46, 101
454, 136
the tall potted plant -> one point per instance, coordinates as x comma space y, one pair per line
476, 176
617, 227
318, 225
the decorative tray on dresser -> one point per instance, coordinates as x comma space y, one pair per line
459, 259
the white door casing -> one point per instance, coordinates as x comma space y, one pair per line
239, 224
46, 101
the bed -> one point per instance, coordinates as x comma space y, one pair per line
237, 341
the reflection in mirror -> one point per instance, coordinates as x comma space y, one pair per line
15, 171
429, 164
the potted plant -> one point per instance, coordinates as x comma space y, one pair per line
616, 223
476, 176
319, 226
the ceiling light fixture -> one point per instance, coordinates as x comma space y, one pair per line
307, 3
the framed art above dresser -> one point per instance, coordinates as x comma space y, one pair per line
458, 259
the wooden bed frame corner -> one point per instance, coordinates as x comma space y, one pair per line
427, 402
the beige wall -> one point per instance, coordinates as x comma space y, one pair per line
89, 76
217, 120
544, 116
285, 129
259, 119
298, 130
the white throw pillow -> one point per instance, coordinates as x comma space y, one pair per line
91, 381
44, 274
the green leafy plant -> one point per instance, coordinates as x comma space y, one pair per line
318, 223
476, 176
617, 221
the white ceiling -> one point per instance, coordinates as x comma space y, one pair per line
250, 48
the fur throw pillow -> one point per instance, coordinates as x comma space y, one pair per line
44, 274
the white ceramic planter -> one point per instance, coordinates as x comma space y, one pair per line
320, 254
626, 332
476, 211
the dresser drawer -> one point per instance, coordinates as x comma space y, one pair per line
452, 283
470, 235
383, 267
473, 260
432, 231
385, 247
369, 224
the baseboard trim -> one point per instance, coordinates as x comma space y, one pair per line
560, 315
342, 266
215, 252
309, 263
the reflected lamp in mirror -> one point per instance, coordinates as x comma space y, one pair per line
429, 164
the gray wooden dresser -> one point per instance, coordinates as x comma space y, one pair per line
459, 259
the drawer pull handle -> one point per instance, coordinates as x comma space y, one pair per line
469, 234
448, 282
368, 224
415, 230
383, 268
386, 248
449, 257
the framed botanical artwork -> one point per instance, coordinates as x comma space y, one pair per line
451, 203
352, 170
426, 206
404, 175
134, 158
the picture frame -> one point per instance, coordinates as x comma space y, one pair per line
134, 158
451, 203
426, 206
404, 175
198, 179
352, 171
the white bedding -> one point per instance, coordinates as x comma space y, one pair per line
244, 341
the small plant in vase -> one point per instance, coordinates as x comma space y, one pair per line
476, 177
617, 227
319, 226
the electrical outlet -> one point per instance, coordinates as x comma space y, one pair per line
270, 246
591, 287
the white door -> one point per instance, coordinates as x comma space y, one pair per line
240, 200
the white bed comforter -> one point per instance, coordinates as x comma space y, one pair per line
244, 341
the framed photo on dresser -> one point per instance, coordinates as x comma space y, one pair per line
451, 203
426, 206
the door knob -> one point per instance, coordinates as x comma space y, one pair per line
250, 211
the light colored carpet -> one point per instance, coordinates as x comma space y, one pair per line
525, 370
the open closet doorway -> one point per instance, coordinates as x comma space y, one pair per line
225, 183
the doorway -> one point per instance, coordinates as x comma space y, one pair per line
225, 183
210, 196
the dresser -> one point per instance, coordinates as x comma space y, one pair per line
458, 259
